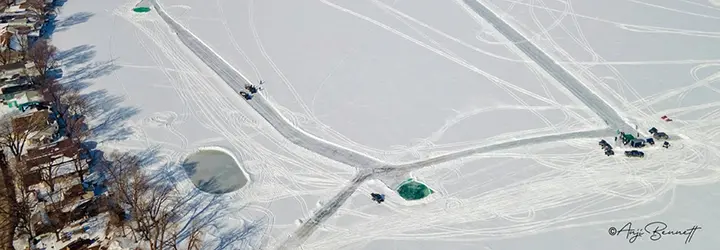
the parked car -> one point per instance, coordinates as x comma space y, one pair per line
650, 141
634, 153
637, 143
604, 144
661, 135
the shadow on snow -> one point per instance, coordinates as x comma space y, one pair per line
109, 124
207, 211
52, 25
108, 120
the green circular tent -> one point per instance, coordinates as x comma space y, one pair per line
412, 190
142, 9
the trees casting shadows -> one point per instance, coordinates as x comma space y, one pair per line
108, 117
164, 215
74, 19
52, 25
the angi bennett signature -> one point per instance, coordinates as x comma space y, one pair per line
654, 230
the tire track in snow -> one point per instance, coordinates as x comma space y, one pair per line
373, 167
562, 75
237, 82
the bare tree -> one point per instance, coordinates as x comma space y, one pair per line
74, 107
15, 131
27, 202
7, 57
36, 8
81, 167
117, 220
10, 200
121, 168
49, 175
42, 54
195, 239
54, 206
155, 206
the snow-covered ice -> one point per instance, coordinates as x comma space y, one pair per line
170, 100
412, 82
384, 84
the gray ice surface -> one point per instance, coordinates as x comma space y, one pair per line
214, 172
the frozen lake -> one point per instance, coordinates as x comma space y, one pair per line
215, 171
405, 80
359, 74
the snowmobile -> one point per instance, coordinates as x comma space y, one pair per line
609, 152
251, 88
246, 95
379, 198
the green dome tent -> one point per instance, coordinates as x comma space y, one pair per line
142, 9
412, 190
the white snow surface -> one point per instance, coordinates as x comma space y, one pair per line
404, 81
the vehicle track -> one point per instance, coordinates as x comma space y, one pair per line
558, 72
369, 167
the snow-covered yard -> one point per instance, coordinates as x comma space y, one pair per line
402, 81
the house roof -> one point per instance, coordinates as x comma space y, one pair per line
50, 153
76, 190
32, 178
23, 123
12, 66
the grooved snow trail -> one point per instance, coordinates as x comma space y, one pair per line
237, 82
506, 145
562, 75
309, 226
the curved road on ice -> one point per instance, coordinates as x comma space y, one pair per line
370, 166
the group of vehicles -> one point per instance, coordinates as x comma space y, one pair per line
632, 141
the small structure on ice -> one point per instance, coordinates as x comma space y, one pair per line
379, 198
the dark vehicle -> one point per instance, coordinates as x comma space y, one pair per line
658, 135
604, 144
650, 141
246, 95
666, 145
653, 130
634, 153
637, 143
379, 198
661, 135
251, 88
609, 152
